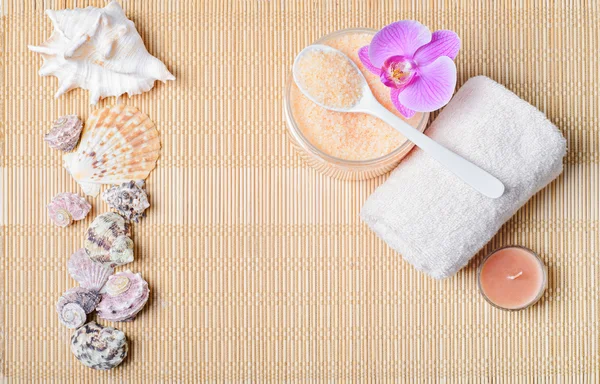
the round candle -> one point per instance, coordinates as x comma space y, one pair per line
512, 278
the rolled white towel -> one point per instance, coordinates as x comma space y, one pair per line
433, 219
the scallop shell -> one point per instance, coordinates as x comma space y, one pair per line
129, 199
66, 207
88, 273
65, 133
99, 347
107, 240
118, 144
75, 304
123, 296
100, 50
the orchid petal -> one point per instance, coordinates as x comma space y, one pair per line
401, 38
406, 112
363, 55
443, 43
432, 88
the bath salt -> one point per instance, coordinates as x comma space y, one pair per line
330, 78
349, 136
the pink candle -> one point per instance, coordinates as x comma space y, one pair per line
512, 278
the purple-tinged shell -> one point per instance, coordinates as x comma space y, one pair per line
73, 306
66, 207
99, 347
129, 199
123, 296
65, 133
88, 273
107, 240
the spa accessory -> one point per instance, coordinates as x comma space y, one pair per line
107, 240
100, 50
415, 63
354, 95
128, 199
99, 347
123, 296
65, 133
118, 144
512, 278
347, 146
89, 274
436, 223
66, 207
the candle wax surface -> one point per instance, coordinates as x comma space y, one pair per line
349, 136
527, 278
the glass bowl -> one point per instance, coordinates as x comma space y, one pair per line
334, 166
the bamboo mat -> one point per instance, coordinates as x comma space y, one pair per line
259, 267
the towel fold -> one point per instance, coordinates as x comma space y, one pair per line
433, 219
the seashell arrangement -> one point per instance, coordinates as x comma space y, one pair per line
99, 347
65, 133
66, 207
107, 240
74, 305
123, 296
129, 199
87, 273
118, 144
100, 50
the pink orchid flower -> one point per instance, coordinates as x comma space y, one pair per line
415, 63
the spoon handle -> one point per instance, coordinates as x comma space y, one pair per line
470, 173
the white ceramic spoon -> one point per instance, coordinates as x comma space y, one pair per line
471, 174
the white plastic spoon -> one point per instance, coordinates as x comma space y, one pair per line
365, 102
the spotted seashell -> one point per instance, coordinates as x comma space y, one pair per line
66, 207
89, 274
65, 133
75, 304
99, 347
123, 296
118, 144
129, 199
107, 240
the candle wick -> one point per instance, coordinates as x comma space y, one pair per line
515, 276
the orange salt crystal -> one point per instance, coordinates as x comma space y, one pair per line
348, 136
329, 78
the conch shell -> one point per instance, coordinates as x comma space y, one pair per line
118, 144
74, 305
99, 347
123, 296
129, 199
89, 274
100, 50
65, 133
66, 207
107, 240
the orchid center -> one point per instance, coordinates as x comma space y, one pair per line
397, 71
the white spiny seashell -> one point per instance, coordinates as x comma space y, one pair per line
100, 50
107, 240
72, 316
118, 144
66, 207
65, 133
129, 199
89, 274
99, 347
123, 296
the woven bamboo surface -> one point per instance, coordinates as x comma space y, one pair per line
259, 267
